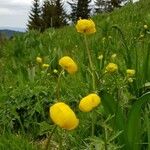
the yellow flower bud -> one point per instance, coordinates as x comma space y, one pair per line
86, 26
141, 36
111, 67
100, 57
45, 65
68, 64
145, 26
110, 37
63, 116
55, 71
113, 56
130, 80
38, 59
130, 72
89, 102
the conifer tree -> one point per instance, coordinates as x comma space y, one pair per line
107, 5
53, 14
83, 10
61, 15
34, 17
73, 14
48, 13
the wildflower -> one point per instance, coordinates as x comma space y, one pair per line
103, 39
130, 80
130, 72
39, 60
63, 116
55, 71
111, 67
86, 26
45, 65
110, 37
113, 56
100, 57
145, 26
68, 64
89, 102
141, 36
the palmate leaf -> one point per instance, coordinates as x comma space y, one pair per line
133, 124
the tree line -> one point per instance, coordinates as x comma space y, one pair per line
52, 13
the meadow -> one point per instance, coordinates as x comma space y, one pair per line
113, 63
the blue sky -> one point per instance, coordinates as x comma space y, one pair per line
14, 13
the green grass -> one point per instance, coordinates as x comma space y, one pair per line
27, 90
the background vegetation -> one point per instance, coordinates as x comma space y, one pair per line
28, 89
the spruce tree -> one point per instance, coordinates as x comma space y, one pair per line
61, 15
73, 14
83, 10
107, 5
48, 14
34, 17
53, 14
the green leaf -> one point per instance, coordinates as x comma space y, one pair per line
112, 107
133, 124
44, 127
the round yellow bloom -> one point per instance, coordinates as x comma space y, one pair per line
89, 102
68, 64
39, 59
111, 67
86, 26
130, 72
45, 65
63, 116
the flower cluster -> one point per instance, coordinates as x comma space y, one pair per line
40, 61
61, 114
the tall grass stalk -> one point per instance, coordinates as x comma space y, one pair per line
92, 69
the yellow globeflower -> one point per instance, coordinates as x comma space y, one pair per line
39, 59
111, 67
63, 116
86, 26
89, 102
130, 72
68, 64
45, 65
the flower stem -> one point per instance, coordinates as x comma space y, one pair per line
90, 62
49, 139
58, 85
105, 138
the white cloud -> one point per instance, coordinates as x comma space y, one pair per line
15, 12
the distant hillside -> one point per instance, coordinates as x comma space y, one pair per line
9, 33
